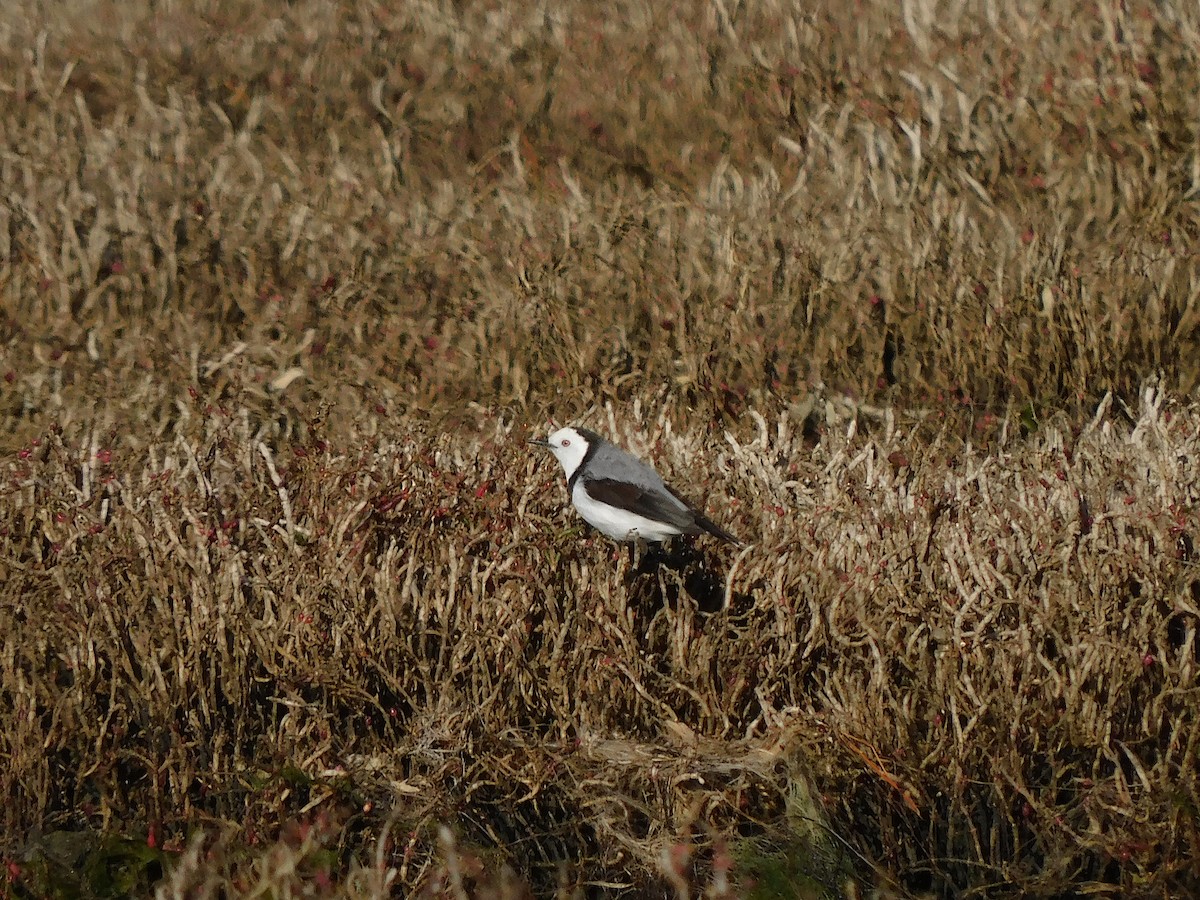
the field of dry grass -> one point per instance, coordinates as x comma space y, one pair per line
905, 294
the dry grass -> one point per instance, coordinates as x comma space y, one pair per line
908, 297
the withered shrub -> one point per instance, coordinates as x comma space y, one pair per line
906, 296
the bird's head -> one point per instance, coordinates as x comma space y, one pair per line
568, 445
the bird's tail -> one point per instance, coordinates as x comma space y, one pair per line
716, 530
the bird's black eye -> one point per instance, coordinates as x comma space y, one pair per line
566, 442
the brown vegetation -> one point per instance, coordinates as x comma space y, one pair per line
906, 295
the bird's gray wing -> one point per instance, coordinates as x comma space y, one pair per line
609, 461
662, 506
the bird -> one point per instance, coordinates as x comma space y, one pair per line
621, 496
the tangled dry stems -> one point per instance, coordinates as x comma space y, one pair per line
907, 299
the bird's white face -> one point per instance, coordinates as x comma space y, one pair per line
569, 446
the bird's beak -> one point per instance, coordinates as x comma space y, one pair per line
540, 442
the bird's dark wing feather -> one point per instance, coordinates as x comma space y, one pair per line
642, 501
703, 522
655, 505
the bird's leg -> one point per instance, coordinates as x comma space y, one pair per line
635, 551
632, 571
643, 556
